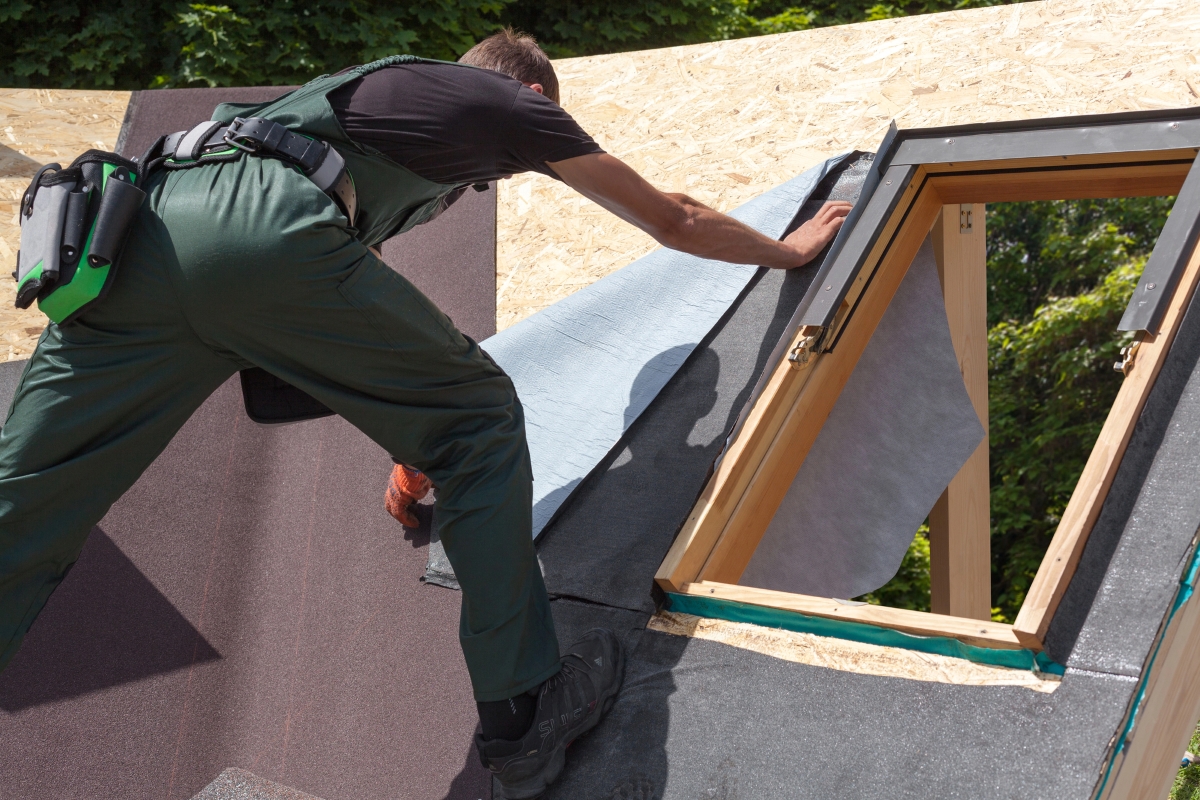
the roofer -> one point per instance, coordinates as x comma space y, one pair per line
253, 248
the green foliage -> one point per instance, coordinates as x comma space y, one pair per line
289, 42
1041, 250
136, 44
567, 28
1059, 275
73, 44
1187, 781
1050, 385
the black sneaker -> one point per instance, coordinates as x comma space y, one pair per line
568, 706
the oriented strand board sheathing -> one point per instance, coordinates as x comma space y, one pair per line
726, 121
39, 127
848, 656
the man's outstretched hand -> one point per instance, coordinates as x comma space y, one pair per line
811, 237
681, 223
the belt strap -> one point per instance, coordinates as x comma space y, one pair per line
319, 162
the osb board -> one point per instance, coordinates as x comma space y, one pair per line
847, 656
38, 127
725, 121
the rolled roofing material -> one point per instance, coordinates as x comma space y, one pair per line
589, 365
901, 429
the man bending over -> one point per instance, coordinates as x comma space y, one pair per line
236, 260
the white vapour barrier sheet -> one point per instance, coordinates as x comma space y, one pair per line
901, 429
574, 364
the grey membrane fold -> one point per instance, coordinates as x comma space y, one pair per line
901, 429
586, 367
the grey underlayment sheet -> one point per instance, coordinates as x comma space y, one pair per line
586, 367
901, 429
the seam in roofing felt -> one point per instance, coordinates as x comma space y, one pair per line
1187, 587
199, 629
718, 608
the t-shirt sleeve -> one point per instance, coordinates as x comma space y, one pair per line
540, 130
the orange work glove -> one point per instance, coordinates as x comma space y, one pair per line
405, 488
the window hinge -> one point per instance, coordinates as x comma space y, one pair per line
1128, 354
806, 346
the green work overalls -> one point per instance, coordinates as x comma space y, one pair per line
247, 263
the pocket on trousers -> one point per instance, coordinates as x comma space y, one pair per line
404, 318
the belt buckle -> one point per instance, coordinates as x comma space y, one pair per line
234, 139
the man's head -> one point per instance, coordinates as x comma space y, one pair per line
516, 55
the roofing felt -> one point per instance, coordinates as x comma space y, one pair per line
247, 603
901, 429
698, 720
617, 526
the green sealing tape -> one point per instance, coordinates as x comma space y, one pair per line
733, 611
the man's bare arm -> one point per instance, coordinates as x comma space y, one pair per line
681, 223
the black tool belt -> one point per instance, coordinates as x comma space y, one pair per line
212, 142
74, 222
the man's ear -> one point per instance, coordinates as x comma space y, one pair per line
537, 87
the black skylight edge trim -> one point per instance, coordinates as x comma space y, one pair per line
1167, 261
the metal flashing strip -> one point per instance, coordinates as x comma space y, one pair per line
733, 611
928, 147
1168, 260
1057, 123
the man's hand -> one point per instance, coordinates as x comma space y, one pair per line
681, 223
811, 237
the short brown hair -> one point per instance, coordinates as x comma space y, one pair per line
516, 55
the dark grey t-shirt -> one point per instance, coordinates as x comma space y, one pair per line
451, 124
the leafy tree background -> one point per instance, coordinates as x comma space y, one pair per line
140, 44
1059, 277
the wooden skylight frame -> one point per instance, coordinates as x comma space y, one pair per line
915, 176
